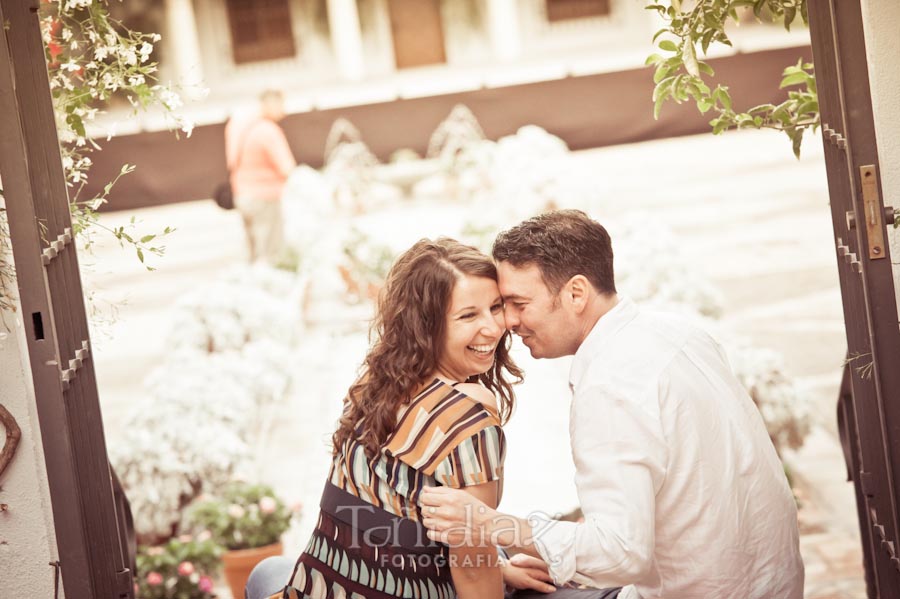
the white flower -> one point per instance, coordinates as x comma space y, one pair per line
70, 65
128, 54
235, 511
145, 50
135, 80
101, 52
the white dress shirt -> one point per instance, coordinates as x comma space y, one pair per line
682, 492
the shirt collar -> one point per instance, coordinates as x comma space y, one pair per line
599, 337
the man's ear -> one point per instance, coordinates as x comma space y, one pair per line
577, 292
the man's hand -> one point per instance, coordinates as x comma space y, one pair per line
526, 572
454, 517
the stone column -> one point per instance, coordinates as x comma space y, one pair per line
503, 25
183, 44
346, 38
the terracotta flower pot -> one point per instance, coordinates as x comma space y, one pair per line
238, 563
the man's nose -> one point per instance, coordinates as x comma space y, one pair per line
512, 319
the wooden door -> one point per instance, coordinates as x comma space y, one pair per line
90, 525
869, 408
418, 32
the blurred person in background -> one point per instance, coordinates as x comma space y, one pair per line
259, 162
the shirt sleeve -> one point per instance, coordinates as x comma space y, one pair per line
280, 151
477, 459
620, 463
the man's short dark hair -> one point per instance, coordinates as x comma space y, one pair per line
561, 244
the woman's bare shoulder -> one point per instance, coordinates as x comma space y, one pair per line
479, 393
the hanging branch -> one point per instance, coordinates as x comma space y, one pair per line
13, 434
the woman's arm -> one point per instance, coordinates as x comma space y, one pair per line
474, 564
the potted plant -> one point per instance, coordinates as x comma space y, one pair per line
248, 521
181, 568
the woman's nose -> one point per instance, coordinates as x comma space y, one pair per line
494, 326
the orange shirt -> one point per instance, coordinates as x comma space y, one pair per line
259, 158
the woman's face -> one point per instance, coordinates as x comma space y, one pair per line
473, 329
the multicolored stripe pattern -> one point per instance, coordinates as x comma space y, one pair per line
442, 437
335, 567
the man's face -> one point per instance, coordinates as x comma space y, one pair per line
534, 313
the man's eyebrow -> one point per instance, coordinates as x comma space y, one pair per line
512, 297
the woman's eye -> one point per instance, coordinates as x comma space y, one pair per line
467, 316
496, 308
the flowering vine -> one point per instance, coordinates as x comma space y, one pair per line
92, 58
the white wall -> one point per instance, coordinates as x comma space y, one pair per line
27, 537
881, 21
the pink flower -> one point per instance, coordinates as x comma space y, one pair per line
297, 507
205, 584
185, 538
267, 505
154, 579
235, 511
185, 568
155, 551
204, 536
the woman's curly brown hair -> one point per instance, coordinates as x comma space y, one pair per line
407, 336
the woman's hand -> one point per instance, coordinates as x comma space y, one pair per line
526, 572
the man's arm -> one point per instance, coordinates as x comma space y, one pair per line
620, 459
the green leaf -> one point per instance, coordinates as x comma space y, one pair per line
653, 59
668, 45
761, 108
657, 106
704, 104
721, 94
757, 8
793, 79
706, 69
690, 58
658, 33
662, 71
140, 255
797, 138
718, 125
790, 13
147, 238
662, 88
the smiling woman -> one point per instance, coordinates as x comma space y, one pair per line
427, 411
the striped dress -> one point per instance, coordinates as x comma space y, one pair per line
443, 437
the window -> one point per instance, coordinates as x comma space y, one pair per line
260, 30
561, 10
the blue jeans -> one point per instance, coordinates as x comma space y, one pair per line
270, 576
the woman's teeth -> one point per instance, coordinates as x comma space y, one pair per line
482, 349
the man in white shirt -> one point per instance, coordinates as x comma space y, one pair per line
682, 492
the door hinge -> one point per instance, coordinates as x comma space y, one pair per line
74, 364
55, 247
